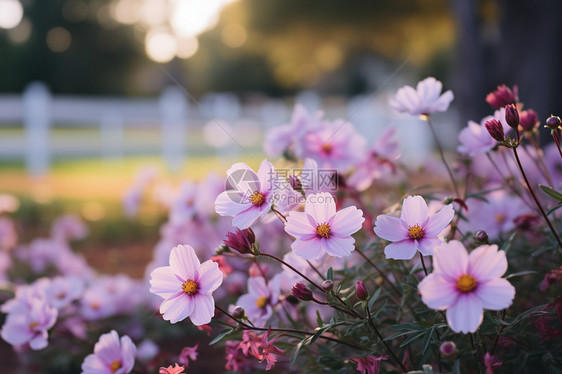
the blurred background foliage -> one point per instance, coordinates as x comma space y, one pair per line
278, 47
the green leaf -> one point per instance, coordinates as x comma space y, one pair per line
427, 340
330, 274
520, 273
319, 319
374, 298
296, 351
551, 192
221, 336
552, 210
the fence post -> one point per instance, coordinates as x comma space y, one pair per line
36, 120
111, 136
173, 107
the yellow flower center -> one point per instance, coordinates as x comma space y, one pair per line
500, 218
323, 230
95, 305
466, 283
415, 232
257, 198
261, 302
33, 325
190, 287
115, 365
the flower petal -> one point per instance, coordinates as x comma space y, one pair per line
298, 225
438, 293
414, 211
451, 260
247, 218
204, 309
347, 221
466, 315
339, 247
163, 282
307, 249
267, 176
177, 309
184, 262
390, 228
427, 246
210, 277
439, 221
231, 203
496, 294
487, 262
402, 250
320, 206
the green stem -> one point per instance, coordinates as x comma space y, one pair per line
535, 198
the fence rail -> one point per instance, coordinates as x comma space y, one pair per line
175, 119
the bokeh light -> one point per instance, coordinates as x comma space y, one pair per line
161, 46
11, 13
58, 39
234, 35
192, 17
187, 47
20, 33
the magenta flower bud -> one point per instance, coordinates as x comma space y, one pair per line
241, 240
502, 96
295, 183
495, 129
238, 312
553, 122
528, 119
448, 348
526, 221
327, 285
361, 290
512, 116
302, 292
481, 236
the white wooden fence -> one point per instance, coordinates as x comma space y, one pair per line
175, 116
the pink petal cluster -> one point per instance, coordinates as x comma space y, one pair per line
186, 286
475, 139
369, 364
378, 163
258, 303
111, 355
320, 229
425, 99
172, 369
250, 195
466, 284
415, 230
258, 346
188, 353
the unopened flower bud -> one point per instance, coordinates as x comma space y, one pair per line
481, 236
302, 292
495, 129
241, 240
361, 290
528, 120
512, 116
295, 183
526, 221
238, 312
327, 285
553, 122
448, 348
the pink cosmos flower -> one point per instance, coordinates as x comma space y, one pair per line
287, 137
69, 227
475, 139
251, 194
258, 303
171, 369
378, 163
269, 352
466, 284
415, 230
426, 99
369, 364
188, 353
321, 229
335, 145
29, 321
491, 363
111, 355
186, 286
